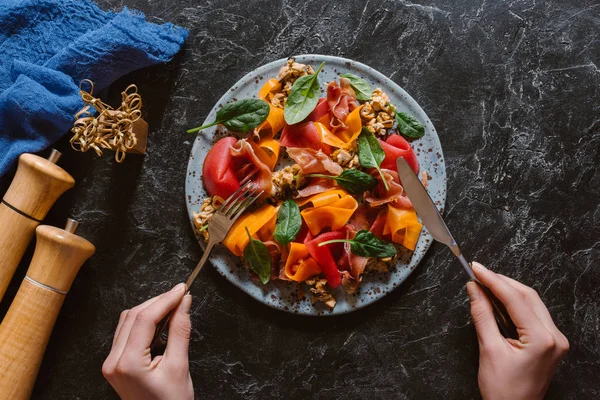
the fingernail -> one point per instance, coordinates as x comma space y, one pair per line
186, 303
478, 266
179, 288
472, 290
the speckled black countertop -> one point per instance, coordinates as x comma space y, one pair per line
513, 88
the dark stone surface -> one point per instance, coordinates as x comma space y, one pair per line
514, 90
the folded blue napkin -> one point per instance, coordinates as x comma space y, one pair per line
48, 46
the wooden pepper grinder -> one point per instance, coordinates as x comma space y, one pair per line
38, 183
27, 326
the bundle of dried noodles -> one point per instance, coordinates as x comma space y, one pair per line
109, 129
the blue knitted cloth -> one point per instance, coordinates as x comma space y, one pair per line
48, 46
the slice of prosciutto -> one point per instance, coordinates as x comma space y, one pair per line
379, 225
363, 217
278, 253
352, 266
303, 135
316, 186
320, 110
395, 195
313, 161
342, 100
247, 165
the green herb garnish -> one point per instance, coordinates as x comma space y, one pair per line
205, 227
258, 258
240, 116
370, 153
352, 180
288, 223
303, 98
362, 89
366, 244
409, 125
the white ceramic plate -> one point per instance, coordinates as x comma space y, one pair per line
282, 295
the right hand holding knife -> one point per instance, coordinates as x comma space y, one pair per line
520, 368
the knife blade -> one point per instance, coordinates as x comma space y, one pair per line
433, 221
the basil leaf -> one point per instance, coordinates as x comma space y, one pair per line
240, 116
409, 125
370, 153
366, 244
288, 223
361, 87
258, 258
352, 180
303, 98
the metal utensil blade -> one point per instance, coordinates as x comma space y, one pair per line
431, 218
428, 212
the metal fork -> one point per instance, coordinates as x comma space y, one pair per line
218, 226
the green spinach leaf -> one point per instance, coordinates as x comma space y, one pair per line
370, 153
352, 180
288, 223
366, 244
303, 98
409, 125
240, 116
258, 258
361, 87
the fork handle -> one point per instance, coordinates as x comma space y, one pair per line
158, 343
201, 263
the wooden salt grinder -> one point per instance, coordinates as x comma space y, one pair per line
27, 326
38, 183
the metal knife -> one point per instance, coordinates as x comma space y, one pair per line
431, 218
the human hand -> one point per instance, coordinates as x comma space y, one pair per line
508, 368
130, 368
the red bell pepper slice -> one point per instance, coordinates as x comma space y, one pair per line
322, 255
218, 172
396, 146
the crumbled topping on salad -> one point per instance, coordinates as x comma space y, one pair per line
318, 292
287, 76
290, 72
285, 182
377, 114
208, 208
379, 265
346, 158
380, 101
278, 100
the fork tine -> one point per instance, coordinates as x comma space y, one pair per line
248, 203
240, 202
233, 199
228, 200
249, 176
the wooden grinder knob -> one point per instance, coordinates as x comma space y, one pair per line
27, 326
38, 183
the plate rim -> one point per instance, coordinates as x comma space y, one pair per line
251, 76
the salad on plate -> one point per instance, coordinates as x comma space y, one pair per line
332, 207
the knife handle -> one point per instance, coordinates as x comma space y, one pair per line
505, 323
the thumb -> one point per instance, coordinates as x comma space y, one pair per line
483, 315
180, 329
